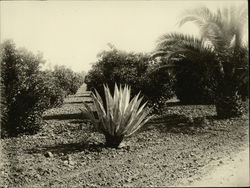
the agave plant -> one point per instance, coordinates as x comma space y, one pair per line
120, 117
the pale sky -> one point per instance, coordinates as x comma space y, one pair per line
72, 33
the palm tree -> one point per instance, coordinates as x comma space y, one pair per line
222, 41
192, 60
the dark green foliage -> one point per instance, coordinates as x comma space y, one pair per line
221, 44
229, 106
27, 91
117, 67
244, 90
233, 84
157, 87
193, 65
195, 82
3, 108
68, 80
53, 93
36, 95
136, 70
223, 31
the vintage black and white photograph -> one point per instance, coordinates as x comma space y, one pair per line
103, 93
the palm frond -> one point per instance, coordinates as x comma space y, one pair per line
198, 16
223, 28
176, 44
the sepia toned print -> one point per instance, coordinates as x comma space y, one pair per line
124, 93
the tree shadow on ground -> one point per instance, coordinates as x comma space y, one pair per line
63, 116
79, 121
179, 123
74, 102
173, 104
68, 148
79, 102
84, 95
175, 123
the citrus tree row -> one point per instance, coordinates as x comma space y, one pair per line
27, 91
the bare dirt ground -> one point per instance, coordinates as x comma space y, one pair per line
235, 173
231, 172
179, 148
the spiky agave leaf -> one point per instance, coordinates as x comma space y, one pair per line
138, 120
124, 102
129, 116
122, 116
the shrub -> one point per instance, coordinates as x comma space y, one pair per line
3, 108
27, 92
68, 80
53, 93
157, 87
136, 70
116, 66
121, 118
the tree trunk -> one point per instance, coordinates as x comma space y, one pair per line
113, 141
228, 103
